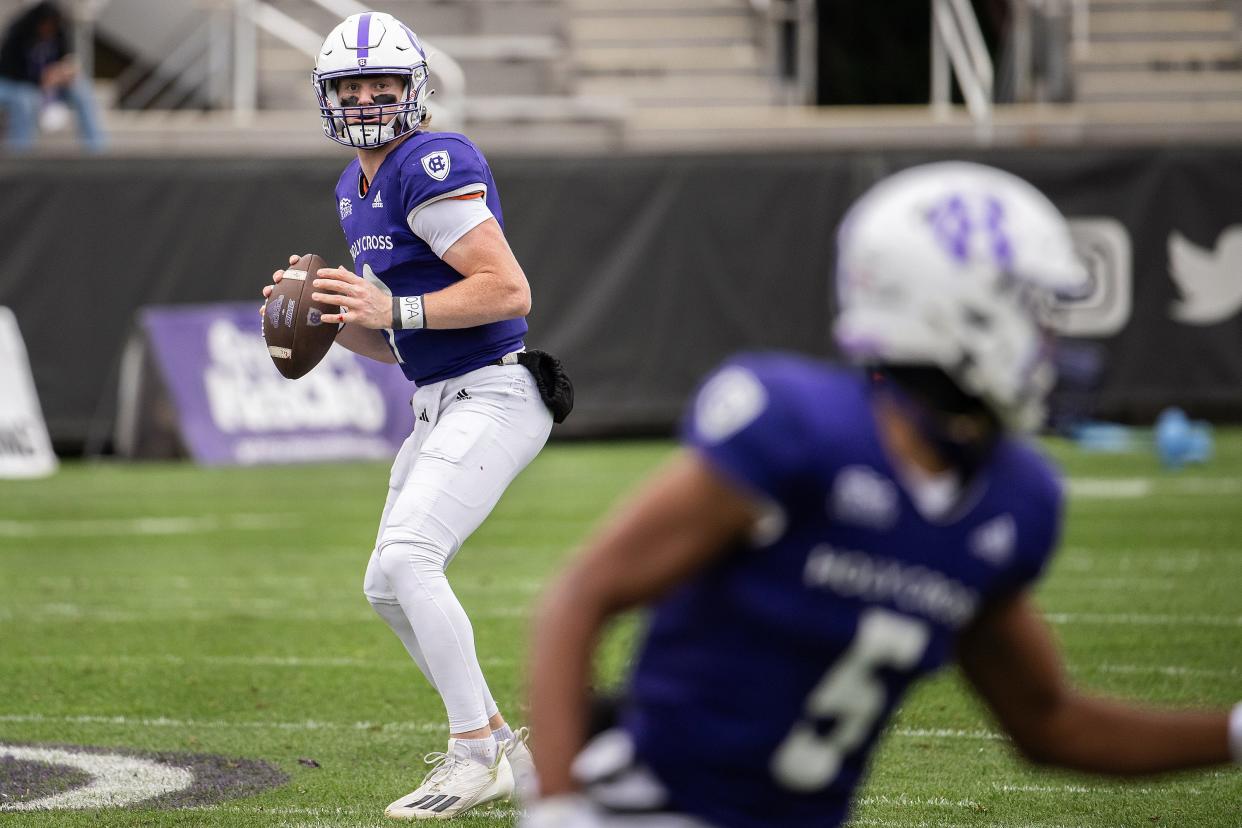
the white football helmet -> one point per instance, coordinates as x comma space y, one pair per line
372, 43
956, 265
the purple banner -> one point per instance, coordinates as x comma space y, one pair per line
234, 407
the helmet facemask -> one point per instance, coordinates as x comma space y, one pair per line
388, 117
370, 44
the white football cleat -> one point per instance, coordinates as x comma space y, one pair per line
525, 779
454, 785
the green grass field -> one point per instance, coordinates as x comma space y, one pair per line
171, 608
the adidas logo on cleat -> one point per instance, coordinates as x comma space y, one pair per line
455, 785
436, 804
463, 394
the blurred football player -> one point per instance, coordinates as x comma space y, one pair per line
830, 536
436, 289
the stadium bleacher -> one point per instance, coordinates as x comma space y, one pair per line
592, 75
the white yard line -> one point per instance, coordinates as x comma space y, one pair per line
1130, 619
907, 801
1117, 583
185, 525
104, 659
1109, 488
866, 822
1165, 670
246, 610
1089, 790
1129, 488
946, 733
189, 724
353, 810
237, 610
414, 727
402, 665
405, 726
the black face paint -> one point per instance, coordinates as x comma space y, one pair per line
378, 100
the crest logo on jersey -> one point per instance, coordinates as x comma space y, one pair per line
347, 208
993, 541
729, 402
378, 203
437, 164
863, 497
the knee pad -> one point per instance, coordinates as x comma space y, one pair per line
375, 584
396, 556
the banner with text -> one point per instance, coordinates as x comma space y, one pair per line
25, 450
233, 406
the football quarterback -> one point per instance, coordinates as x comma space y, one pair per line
435, 289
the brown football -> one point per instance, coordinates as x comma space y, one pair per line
296, 336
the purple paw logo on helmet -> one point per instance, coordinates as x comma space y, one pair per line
371, 44
989, 249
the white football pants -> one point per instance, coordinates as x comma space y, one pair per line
472, 435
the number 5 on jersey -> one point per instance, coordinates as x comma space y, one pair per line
852, 694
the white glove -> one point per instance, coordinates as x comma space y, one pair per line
564, 811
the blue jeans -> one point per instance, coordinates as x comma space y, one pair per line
22, 102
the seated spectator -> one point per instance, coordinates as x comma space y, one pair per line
39, 80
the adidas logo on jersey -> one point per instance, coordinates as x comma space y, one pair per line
994, 541
463, 394
379, 200
422, 416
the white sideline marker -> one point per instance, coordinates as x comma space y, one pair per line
116, 780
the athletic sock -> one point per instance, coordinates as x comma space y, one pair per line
503, 733
482, 751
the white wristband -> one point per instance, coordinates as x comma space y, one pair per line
1235, 733
407, 313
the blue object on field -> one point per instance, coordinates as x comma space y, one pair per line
1112, 438
1180, 440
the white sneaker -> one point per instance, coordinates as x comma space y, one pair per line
525, 779
454, 785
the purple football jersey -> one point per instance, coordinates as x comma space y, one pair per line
423, 169
762, 685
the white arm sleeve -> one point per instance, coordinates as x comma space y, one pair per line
441, 223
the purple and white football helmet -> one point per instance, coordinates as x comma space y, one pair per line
372, 43
958, 265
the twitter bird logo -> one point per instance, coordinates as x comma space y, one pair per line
1210, 281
